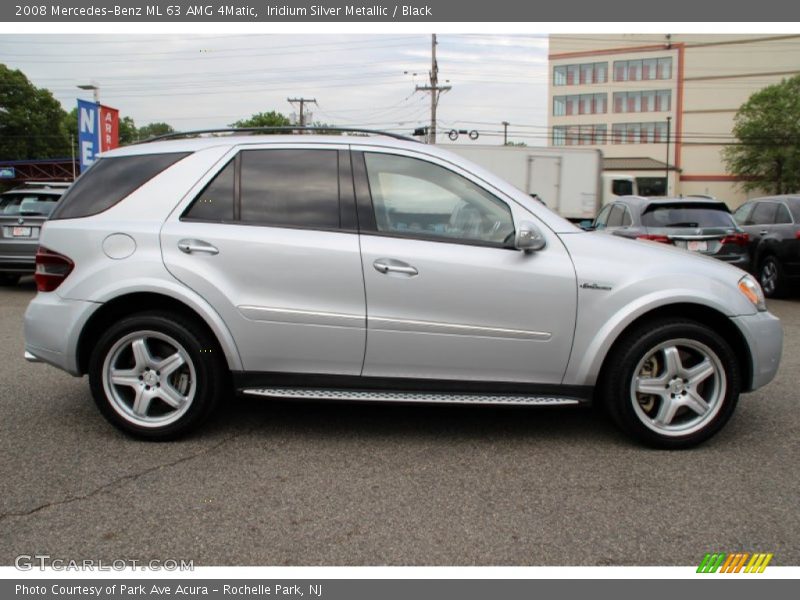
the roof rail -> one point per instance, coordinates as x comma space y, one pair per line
268, 130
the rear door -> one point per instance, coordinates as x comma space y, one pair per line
447, 297
270, 241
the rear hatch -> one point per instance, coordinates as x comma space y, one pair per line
704, 227
22, 214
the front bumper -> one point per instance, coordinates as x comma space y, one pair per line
764, 335
52, 329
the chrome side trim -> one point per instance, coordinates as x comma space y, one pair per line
301, 317
416, 397
387, 324
32, 358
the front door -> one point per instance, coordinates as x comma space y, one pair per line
447, 298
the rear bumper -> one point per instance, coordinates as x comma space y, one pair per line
52, 329
15, 263
764, 335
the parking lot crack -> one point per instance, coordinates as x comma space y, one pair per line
111, 485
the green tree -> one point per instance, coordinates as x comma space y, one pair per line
767, 127
31, 120
154, 129
264, 119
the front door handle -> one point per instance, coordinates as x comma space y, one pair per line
196, 247
765, 232
390, 265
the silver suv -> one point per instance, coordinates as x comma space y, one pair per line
375, 268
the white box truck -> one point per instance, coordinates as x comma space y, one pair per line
568, 180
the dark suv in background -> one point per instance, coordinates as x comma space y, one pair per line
23, 210
773, 225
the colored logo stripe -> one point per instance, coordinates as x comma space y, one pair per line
734, 563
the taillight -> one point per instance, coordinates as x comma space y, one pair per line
654, 238
51, 269
740, 239
797, 234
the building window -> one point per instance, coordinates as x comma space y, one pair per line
582, 74
639, 70
639, 133
579, 135
647, 101
579, 104
559, 136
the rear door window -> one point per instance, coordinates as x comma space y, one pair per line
763, 214
110, 180
616, 216
290, 188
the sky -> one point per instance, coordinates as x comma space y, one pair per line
200, 81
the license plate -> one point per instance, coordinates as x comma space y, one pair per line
21, 232
698, 246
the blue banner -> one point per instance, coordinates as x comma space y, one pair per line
88, 133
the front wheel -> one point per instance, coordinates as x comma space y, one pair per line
675, 383
156, 375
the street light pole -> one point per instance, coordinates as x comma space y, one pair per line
666, 173
95, 90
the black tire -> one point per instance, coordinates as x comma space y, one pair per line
651, 347
201, 379
772, 278
8, 279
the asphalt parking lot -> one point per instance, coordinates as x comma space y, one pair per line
283, 483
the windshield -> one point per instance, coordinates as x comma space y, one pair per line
686, 216
32, 205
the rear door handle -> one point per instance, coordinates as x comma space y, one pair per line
390, 265
196, 247
765, 232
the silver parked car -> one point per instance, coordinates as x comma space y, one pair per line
22, 212
375, 268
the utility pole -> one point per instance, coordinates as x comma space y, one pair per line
666, 171
505, 132
435, 90
302, 102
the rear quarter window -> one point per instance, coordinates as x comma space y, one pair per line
110, 180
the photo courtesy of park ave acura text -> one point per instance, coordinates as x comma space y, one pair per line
399, 299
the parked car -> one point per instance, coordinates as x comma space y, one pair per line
375, 268
773, 225
23, 210
699, 224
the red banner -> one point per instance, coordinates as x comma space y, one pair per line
109, 128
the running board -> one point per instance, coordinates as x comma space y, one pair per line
410, 396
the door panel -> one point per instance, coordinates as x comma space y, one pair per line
470, 312
446, 297
293, 299
268, 242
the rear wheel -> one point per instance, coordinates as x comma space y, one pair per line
771, 277
156, 375
675, 383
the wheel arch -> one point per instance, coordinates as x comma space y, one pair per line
700, 313
136, 302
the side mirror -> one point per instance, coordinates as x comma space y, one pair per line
528, 237
586, 225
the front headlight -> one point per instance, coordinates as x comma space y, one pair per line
750, 288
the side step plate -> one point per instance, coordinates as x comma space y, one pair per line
400, 396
